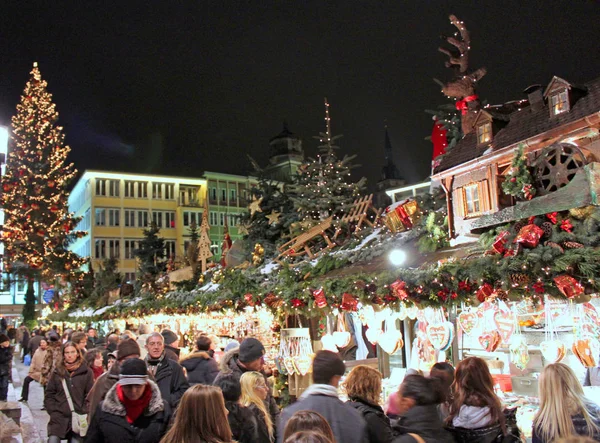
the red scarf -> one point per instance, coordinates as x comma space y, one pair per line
98, 371
134, 408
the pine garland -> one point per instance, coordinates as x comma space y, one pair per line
518, 182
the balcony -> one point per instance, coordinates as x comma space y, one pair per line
189, 202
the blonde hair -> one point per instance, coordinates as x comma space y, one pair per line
561, 397
249, 381
200, 416
364, 383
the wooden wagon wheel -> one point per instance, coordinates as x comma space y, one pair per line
556, 166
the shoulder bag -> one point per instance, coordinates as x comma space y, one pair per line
79, 422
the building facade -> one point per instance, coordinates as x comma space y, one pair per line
116, 207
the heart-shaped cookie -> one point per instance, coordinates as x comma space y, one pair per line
342, 338
328, 343
553, 350
586, 350
289, 365
302, 364
519, 353
467, 321
490, 340
505, 322
391, 341
450, 338
373, 335
438, 335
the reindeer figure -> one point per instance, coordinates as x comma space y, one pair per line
463, 86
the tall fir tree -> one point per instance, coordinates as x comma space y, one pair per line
106, 279
204, 252
38, 226
151, 255
323, 187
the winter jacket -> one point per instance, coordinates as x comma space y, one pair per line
423, 421
110, 424
200, 367
172, 353
6, 355
229, 364
378, 425
592, 377
37, 362
52, 357
262, 429
581, 427
102, 385
25, 341
171, 380
347, 424
80, 383
34, 343
92, 343
487, 433
242, 422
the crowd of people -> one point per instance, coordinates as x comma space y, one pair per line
115, 390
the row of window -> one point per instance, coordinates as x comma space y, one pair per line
134, 189
140, 218
223, 194
111, 248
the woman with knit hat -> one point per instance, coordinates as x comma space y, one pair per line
133, 410
71, 378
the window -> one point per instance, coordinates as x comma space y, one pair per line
472, 199
113, 217
130, 277
130, 247
232, 195
484, 133
142, 190
100, 217
157, 218
233, 219
114, 250
129, 189
191, 217
213, 218
222, 219
213, 193
186, 218
475, 199
169, 248
84, 224
157, 190
169, 191
100, 187
142, 219
560, 102
100, 249
130, 218
169, 219
113, 188
223, 195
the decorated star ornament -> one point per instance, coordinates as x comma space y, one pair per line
243, 229
273, 217
254, 206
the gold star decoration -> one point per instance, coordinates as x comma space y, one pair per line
243, 229
255, 206
273, 217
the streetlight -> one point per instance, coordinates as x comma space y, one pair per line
397, 257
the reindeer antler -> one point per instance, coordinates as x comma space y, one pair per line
459, 56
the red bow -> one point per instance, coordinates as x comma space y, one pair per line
462, 105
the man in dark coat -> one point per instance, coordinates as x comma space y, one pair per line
133, 410
35, 341
92, 338
168, 374
201, 367
111, 346
171, 344
248, 357
347, 424
127, 349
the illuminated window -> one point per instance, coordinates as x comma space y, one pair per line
472, 200
100, 187
113, 188
169, 219
484, 133
560, 102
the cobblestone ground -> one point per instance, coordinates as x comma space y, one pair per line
34, 421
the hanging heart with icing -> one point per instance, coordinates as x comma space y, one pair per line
467, 321
586, 351
341, 338
402, 313
591, 312
279, 364
289, 365
391, 341
450, 338
553, 350
519, 353
412, 312
302, 364
505, 322
373, 335
490, 340
328, 343
438, 335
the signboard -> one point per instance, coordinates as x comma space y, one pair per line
48, 295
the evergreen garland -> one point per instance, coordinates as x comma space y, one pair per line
518, 182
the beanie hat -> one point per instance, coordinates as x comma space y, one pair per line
169, 336
3, 338
251, 349
133, 372
232, 345
53, 336
126, 348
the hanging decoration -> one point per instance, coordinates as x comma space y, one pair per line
468, 320
505, 321
441, 332
519, 351
341, 336
391, 340
552, 349
402, 216
295, 351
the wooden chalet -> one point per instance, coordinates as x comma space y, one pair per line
558, 126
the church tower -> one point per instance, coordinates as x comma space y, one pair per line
390, 176
285, 155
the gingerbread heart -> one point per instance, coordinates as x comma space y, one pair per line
450, 338
553, 350
591, 312
586, 350
279, 364
391, 341
439, 335
303, 364
342, 338
467, 321
519, 353
490, 340
328, 343
289, 365
373, 335
505, 322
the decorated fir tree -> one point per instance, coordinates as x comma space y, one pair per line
322, 187
204, 252
151, 255
38, 226
519, 182
106, 279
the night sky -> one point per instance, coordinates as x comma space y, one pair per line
216, 79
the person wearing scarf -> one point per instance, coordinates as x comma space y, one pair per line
79, 380
133, 409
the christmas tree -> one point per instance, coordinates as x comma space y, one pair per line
107, 279
38, 226
204, 252
322, 187
151, 255
518, 182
